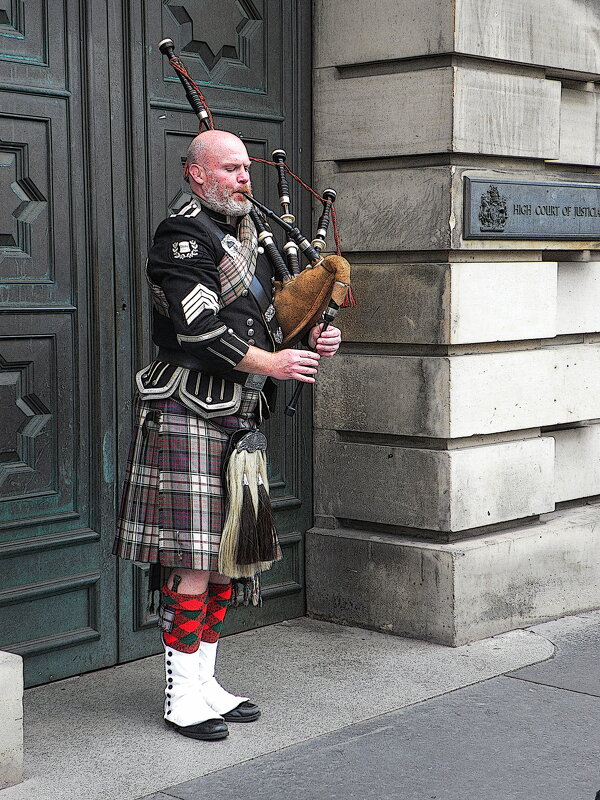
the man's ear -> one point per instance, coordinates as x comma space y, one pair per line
197, 173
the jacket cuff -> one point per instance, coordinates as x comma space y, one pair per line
229, 347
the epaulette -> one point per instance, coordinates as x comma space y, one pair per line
189, 210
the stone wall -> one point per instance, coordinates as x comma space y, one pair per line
465, 404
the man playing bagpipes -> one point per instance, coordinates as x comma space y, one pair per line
195, 502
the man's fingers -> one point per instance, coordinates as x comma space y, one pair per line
307, 363
303, 370
325, 339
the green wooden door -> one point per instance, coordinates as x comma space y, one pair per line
93, 127
57, 597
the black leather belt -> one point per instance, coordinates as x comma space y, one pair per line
259, 294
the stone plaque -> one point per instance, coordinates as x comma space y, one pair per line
504, 209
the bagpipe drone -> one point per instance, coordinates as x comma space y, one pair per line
302, 297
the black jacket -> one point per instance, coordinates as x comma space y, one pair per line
188, 321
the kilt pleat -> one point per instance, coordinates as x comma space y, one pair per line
171, 509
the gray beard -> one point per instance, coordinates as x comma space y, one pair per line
215, 200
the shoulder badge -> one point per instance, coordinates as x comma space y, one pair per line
187, 249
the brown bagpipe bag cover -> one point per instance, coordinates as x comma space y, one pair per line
300, 301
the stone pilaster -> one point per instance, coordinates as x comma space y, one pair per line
466, 402
11, 716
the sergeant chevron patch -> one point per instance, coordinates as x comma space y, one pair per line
198, 300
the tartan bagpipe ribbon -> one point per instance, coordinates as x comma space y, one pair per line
236, 268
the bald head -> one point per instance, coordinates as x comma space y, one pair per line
218, 170
211, 144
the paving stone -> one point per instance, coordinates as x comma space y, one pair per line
574, 665
502, 740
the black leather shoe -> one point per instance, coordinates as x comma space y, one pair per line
245, 712
208, 730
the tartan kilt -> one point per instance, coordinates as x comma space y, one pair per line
172, 508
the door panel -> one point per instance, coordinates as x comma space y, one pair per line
57, 601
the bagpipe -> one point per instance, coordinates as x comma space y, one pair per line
305, 296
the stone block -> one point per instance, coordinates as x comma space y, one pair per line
578, 299
459, 303
418, 209
511, 301
458, 111
380, 581
433, 489
401, 395
562, 34
524, 389
11, 719
354, 32
382, 210
527, 126
514, 390
460, 592
435, 395
559, 34
398, 303
393, 128
579, 127
577, 468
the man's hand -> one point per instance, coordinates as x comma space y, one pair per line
300, 365
325, 343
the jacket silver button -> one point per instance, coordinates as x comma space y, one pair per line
229, 330
249, 322
250, 331
209, 399
245, 293
261, 250
251, 341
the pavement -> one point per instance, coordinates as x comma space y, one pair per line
347, 713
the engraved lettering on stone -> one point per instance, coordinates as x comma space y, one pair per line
521, 209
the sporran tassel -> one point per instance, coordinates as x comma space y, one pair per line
247, 546
265, 525
248, 542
